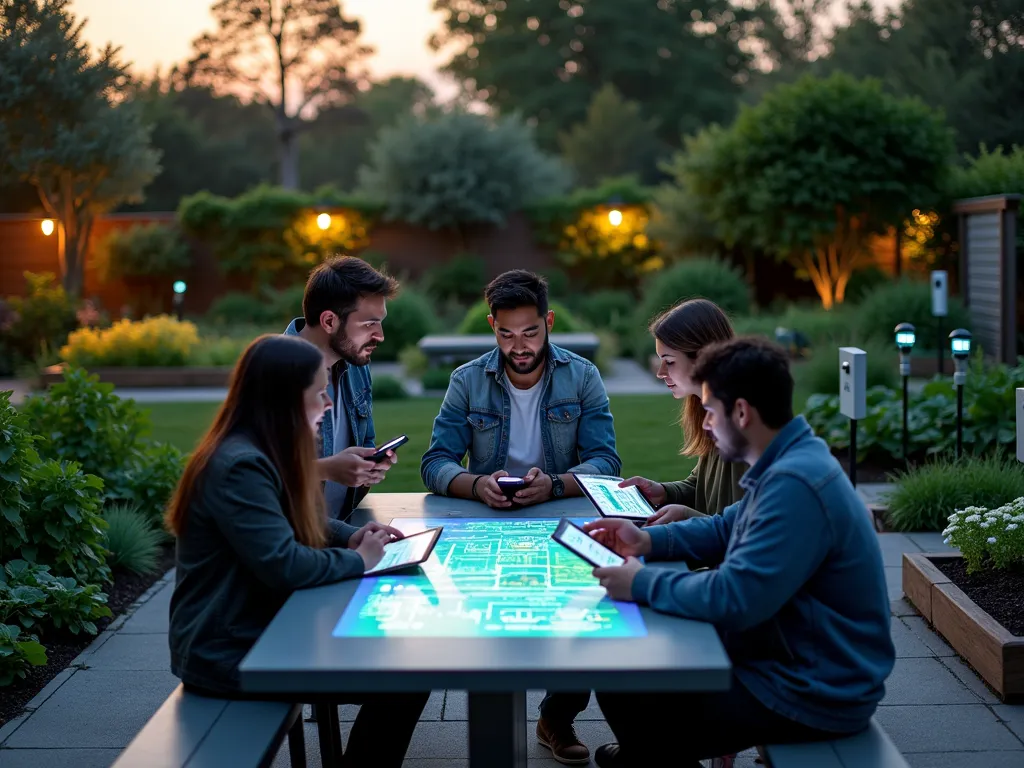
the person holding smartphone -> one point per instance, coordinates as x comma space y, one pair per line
679, 336
249, 519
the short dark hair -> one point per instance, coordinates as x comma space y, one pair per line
517, 288
750, 368
338, 284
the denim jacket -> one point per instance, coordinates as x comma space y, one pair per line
576, 422
356, 386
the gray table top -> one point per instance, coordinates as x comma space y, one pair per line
298, 653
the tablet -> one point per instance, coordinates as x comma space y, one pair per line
412, 550
612, 501
582, 544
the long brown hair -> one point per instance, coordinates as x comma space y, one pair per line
265, 401
689, 327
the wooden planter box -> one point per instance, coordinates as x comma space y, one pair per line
175, 377
997, 655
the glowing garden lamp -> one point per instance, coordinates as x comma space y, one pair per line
179, 296
324, 221
615, 217
960, 347
905, 338
47, 227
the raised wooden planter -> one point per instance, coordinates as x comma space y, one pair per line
174, 377
997, 655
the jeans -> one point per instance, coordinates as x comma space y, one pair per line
703, 726
561, 707
382, 730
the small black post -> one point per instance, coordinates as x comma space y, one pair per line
959, 420
906, 401
853, 452
941, 345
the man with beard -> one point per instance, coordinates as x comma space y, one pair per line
344, 307
796, 588
527, 409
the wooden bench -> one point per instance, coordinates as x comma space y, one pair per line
871, 748
200, 732
463, 348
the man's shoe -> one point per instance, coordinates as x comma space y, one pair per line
609, 756
561, 740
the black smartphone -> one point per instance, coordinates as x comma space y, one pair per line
584, 546
509, 486
390, 445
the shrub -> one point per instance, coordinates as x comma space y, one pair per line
155, 341
475, 320
435, 379
708, 278
37, 324
17, 653
388, 388
414, 362
862, 282
989, 536
821, 373
151, 250
461, 280
821, 328
410, 318
219, 351
908, 301
37, 600
132, 540
17, 459
82, 420
147, 479
267, 307
924, 497
613, 311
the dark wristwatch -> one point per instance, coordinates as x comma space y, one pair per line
557, 486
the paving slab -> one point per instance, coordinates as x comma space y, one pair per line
902, 607
971, 679
152, 616
893, 545
931, 542
923, 631
956, 727
926, 682
101, 709
432, 711
58, 758
908, 644
1013, 716
894, 582
456, 707
966, 759
133, 652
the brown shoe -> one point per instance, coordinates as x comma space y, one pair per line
561, 740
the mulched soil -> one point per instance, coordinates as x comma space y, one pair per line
998, 592
61, 650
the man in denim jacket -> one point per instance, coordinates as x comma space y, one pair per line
527, 409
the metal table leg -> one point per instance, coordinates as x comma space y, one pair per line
497, 730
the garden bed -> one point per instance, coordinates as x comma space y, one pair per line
61, 651
144, 377
981, 615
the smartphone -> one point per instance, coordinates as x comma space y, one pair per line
390, 445
585, 546
509, 486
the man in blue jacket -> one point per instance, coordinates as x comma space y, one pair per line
796, 587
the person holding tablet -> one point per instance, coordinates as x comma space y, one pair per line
534, 412
251, 528
796, 591
714, 484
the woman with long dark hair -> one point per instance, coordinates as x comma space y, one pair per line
251, 528
679, 335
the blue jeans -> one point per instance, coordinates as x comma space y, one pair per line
561, 707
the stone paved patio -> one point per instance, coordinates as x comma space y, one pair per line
937, 711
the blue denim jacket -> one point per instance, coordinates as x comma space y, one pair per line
357, 390
576, 423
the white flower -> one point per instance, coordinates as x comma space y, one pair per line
1011, 527
950, 530
986, 524
991, 539
946, 540
954, 516
1007, 516
993, 513
972, 519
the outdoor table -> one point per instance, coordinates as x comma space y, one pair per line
299, 653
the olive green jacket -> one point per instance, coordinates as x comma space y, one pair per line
711, 487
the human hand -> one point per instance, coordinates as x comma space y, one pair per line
620, 535
653, 491
371, 548
353, 468
673, 513
373, 527
618, 580
538, 488
490, 493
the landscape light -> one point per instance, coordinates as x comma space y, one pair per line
615, 217
47, 227
323, 221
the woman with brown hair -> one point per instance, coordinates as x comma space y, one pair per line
679, 335
251, 528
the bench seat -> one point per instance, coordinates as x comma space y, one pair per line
201, 732
463, 348
871, 748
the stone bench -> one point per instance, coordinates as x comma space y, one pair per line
871, 748
457, 349
200, 732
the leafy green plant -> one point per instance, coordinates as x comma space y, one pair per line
148, 250
17, 653
989, 537
154, 341
388, 388
39, 322
35, 598
147, 479
410, 318
613, 311
821, 372
414, 361
132, 540
707, 278
461, 279
908, 301
17, 459
267, 307
925, 496
436, 379
475, 321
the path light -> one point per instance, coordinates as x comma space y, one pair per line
615, 217
905, 338
960, 346
179, 297
323, 221
47, 227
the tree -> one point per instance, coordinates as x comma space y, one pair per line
614, 140
294, 56
456, 169
682, 61
62, 127
815, 169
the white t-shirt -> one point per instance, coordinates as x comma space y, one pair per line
525, 446
335, 493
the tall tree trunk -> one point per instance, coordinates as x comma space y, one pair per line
288, 155
72, 261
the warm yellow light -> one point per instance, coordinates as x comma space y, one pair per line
323, 220
615, 217
47, 227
